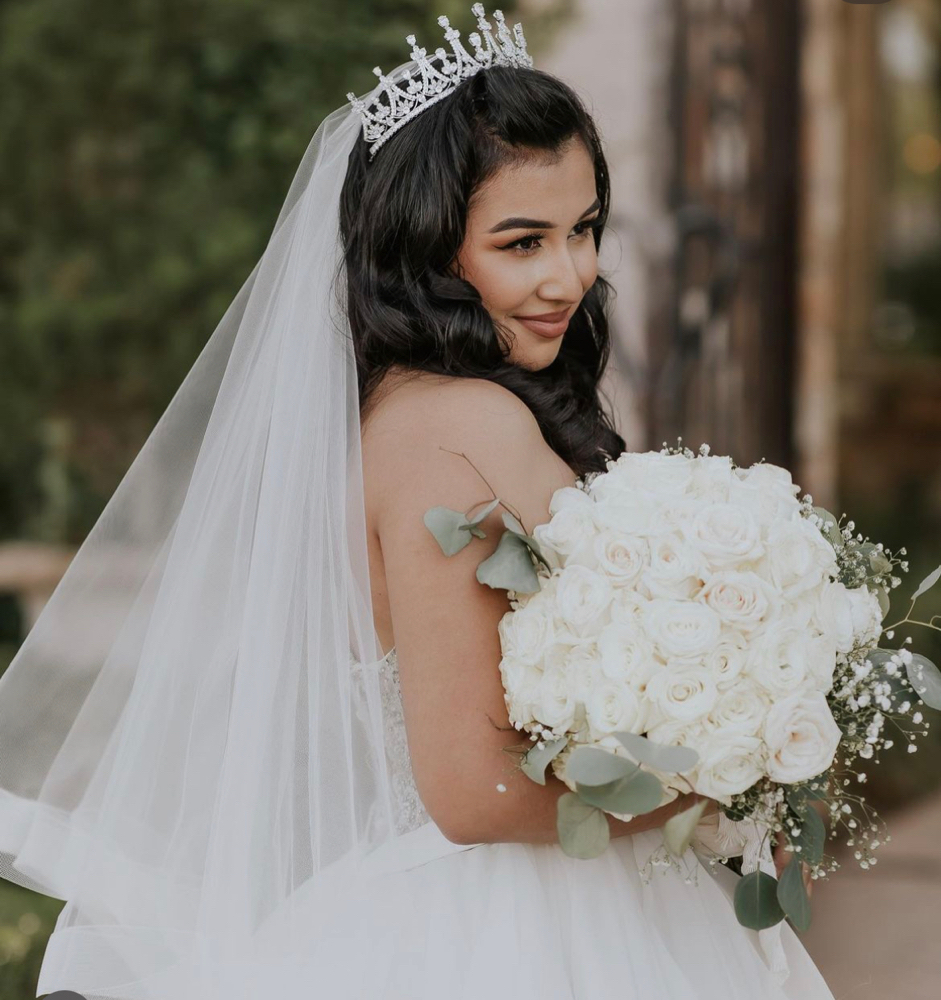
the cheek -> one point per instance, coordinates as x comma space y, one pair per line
587, 266
501, 285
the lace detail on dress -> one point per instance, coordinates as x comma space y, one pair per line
410, 813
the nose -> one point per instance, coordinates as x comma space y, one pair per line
561, 281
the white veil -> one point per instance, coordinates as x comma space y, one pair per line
182, 741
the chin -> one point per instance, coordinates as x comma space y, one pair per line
536, 356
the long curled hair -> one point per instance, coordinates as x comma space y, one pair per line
403, 219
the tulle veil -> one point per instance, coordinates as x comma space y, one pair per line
183, 745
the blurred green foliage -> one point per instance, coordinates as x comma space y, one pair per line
145, 150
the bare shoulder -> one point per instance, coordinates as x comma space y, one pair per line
453, 436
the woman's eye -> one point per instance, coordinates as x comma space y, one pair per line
528, 244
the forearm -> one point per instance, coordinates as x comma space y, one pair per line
527, 813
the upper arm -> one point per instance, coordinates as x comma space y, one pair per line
444, 621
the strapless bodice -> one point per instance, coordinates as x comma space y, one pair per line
409, 810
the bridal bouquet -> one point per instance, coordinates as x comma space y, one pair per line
684, 625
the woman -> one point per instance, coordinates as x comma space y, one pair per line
275, 766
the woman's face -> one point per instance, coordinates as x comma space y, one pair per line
529, 249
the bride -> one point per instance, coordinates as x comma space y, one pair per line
276, 762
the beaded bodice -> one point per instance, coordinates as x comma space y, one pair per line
410, 813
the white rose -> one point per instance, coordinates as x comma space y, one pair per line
725, 533
626, 654
768, 491
867, 615
801, 737
680, 692
583, 668
628, 513
649, 471
680, 629
712, 477
614, 707
729, 765
778, 660
582, 598
621, 558
627, 605
740, 709
569, 530
555, 703
741, 599
833, 615
821, 662
799, 558
727, 659
521, 684
527, 632
672, 513
676, 570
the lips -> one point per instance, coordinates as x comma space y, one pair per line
549, 325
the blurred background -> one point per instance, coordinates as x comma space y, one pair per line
775, 242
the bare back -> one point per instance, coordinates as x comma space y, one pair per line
431, 607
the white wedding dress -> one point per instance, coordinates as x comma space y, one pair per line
434, 920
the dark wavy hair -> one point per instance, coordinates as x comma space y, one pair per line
403, 218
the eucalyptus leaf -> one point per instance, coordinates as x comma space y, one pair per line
756, 901
879, 563
537, 759
832, 534
594, 766
635, 793
800, 796
445, 524
925, 679
658, 755
812, 837
792, 894
679, 829
480, 515
476, 530
513, 524
510, 567
882, 597
583, 830
929, 581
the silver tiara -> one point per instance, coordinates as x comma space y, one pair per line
393, 103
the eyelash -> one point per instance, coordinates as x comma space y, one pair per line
582, 227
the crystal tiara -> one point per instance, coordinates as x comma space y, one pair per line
393, 103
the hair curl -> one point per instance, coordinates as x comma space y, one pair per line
403, 219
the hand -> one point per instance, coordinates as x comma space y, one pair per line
782, 859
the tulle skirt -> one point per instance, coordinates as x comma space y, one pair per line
425, 919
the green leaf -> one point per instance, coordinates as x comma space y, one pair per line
512, 524
476, 530
798, 796
756, 901
594, 766
792, 894
445, 524
879, 563
925, 678
679, 829
812, 837
929, 581
658, 755
537, 759
832, 534
478, 517
583, 829
510, 567
635, 793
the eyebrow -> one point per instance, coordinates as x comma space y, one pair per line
517, 222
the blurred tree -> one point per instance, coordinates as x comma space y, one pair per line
145, 150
